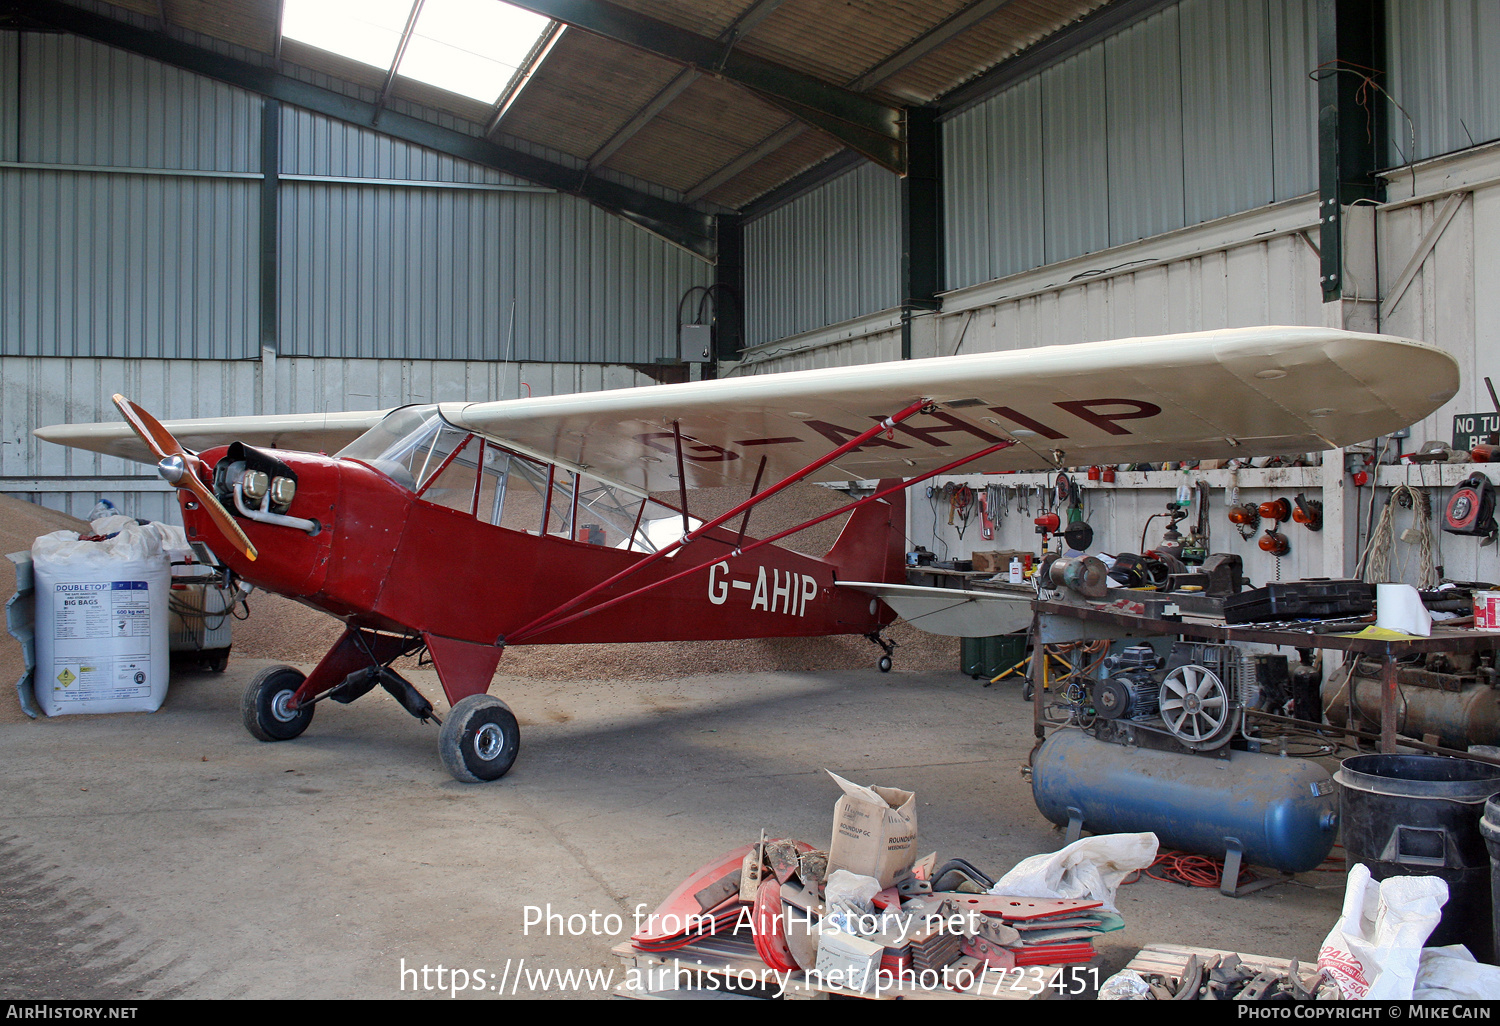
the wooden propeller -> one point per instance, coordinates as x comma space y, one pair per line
181, 467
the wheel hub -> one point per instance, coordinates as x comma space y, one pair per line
281, 706
489, 740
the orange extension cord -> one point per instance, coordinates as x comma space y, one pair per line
1189, 870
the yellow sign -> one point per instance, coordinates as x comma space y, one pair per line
66, 677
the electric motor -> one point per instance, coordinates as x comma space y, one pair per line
1128, 695
1136, 657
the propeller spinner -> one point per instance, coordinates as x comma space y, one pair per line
179, 468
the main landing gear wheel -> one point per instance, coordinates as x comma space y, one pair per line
266, 705
480, 739
884, 662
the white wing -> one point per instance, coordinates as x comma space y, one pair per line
1220, 394
301, 432
1217, 394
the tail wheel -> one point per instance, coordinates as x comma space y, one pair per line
479, 740
266, 707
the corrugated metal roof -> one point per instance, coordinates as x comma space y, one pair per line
585, 90
866, 32
684, 141
588, 96
1020, 24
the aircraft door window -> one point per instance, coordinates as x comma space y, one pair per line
451, 474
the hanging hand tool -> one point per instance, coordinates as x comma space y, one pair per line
963, 505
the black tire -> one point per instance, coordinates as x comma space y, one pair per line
480, 739
216, 661
263, 707
1028, 692
885, 664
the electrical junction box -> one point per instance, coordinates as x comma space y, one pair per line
697, 342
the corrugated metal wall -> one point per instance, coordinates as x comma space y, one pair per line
1268, 278
163, 260
826, 257
869, 340
1443, 74
84, 103
1075, 166
1145, 146
1199, 111
1453, 301
98, 263
129, 262
992, 196
431, 273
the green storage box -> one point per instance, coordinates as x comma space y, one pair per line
989, 657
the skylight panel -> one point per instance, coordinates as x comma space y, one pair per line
470, 47
368, 31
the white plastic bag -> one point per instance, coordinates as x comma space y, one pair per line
1375, 949
1088, 868
1125, 985
1453, 974
846, 897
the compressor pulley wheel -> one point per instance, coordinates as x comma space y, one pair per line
1195, 704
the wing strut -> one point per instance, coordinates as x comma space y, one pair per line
887, 424
744, 523
546, 623
681, 478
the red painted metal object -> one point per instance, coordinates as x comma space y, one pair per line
392, 562
406, 571
1021, 909
680, 913
768, 920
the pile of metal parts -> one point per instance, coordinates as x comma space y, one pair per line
1226, 978
772, 893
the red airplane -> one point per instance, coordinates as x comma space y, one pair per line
462, 528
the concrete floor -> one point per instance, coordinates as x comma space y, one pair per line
171, 854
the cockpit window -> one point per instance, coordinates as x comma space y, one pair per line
395, 436
410, 446
415, 447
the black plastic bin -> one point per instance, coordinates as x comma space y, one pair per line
1489, 828
1418, 815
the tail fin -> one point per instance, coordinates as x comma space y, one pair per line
872, 545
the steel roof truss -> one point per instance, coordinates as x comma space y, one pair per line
858, 121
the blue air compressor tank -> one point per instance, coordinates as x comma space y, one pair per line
1283, 811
